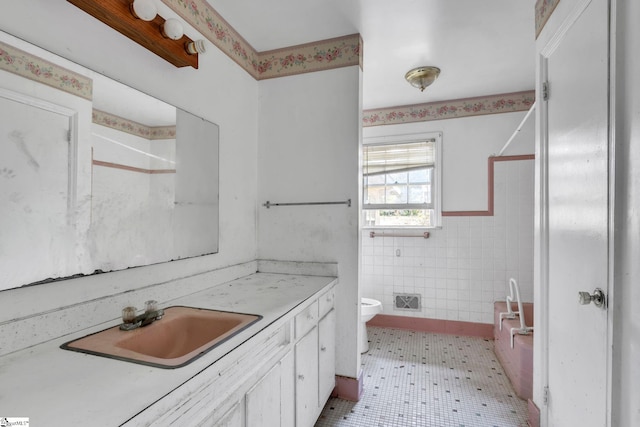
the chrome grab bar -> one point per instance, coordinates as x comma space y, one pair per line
510, 314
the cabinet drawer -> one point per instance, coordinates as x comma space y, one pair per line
306, 320
326, 301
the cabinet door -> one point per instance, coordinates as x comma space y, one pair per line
327, 356
307, 379
233, 418
263, 400
287, 391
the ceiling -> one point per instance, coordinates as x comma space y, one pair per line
483, 47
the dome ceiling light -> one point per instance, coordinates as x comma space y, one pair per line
422, 77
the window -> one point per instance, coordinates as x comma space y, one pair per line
401, 181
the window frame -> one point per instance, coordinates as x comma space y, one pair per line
436, 185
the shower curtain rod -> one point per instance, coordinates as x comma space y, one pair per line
517, 131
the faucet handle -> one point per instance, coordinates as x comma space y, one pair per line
151, 305
129, 314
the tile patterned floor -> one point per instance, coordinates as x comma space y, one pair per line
430, 380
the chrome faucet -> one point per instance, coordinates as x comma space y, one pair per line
150, 315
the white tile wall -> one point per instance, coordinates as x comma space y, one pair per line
465, 266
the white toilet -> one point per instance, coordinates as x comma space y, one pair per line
368, 309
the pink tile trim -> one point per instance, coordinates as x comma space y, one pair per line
348, 388
543, 10
450, 327
456, 108
133, 128
306, 58
534, 414
24, 64
490, 189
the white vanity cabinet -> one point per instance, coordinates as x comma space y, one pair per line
326, 357
269, 402
271, 398
315, 359
248, 379
282, 376
234, 417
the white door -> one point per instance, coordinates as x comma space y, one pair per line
578, 217
35, 190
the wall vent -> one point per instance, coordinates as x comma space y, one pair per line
410, 302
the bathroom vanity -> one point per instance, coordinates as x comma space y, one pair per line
278, 371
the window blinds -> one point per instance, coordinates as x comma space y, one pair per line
382, 159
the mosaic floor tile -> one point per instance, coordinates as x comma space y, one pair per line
429, 380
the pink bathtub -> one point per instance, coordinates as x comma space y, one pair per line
518, 361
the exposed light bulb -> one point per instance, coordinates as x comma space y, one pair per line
144, 9
172, 28
196, 46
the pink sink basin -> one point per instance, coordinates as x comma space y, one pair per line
180, 337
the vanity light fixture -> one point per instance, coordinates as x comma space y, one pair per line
139, 21
422, 77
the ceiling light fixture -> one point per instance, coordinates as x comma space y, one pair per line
422, 77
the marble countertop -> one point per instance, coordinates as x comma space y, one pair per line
52, 386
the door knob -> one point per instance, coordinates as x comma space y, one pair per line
598, 298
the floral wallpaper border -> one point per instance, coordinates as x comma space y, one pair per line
502, 103
544, 9
133, 128
322, 55
201, 16
24, 64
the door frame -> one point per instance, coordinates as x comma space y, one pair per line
541, 214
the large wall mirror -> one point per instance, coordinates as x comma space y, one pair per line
96, 176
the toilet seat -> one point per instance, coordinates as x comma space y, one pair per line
369, 307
